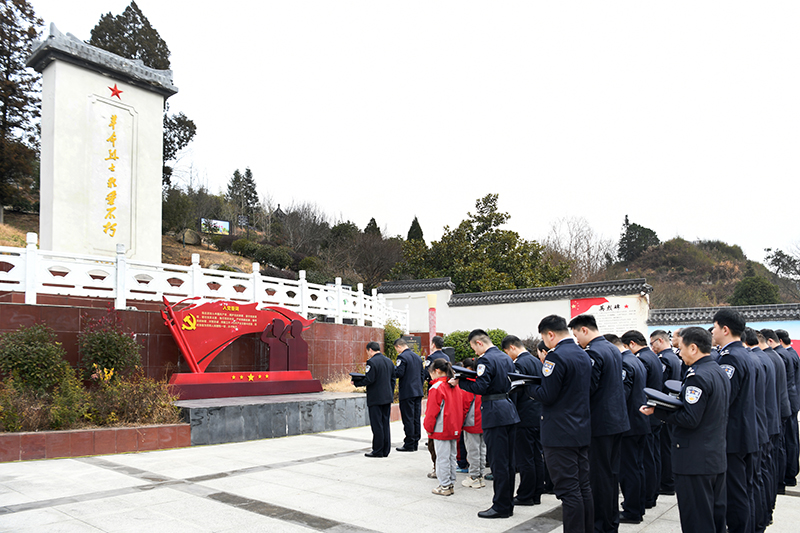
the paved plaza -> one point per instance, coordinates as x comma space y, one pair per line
318, 482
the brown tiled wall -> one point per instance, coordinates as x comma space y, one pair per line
333, 349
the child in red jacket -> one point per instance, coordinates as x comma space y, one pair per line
473, 435
443, 420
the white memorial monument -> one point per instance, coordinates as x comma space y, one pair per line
101, 149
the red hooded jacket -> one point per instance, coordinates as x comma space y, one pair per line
444, 413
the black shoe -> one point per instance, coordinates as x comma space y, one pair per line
625, 518
649, 505
491, 513
790, 482
373, 454
666, 492
781, 489
517, 501
404, 449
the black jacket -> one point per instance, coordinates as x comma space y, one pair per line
655, 374
634, 375
780, 383
700, 426
607, 397
771, 394
410, 375
742, 421
791, 382
493, 368
379, 380
529, 410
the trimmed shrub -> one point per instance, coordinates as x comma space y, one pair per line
391, 332
458, 340
104, 345
135, 399
34, 357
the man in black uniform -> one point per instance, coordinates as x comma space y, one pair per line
742, 431
661, 345
566, 422
631, 469
437, 343
768, 425
791, 440
498, 418
785, 410
379, 381
637, 344
700, 426
794, 402
609, 420
527, 445
410, 377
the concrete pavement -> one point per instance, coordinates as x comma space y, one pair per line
317, 482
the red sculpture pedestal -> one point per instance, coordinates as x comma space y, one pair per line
233, 384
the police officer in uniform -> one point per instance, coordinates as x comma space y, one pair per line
379, 381
661, 345
637, 344
410, 377
742, 432
609, 420
566, 422
631, 469
528, 445
498, 418
699, 436
791, 442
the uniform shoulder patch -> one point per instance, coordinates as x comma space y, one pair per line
693, 394
547, 368
624, 374
481, 369
427, 363
367, 370
399, 361
728, 370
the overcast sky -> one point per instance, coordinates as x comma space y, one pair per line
683, 115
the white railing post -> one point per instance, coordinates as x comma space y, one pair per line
382, 310
338, 316
303, 294
197, 276
256, 282
120, 291
31, 255
360, 305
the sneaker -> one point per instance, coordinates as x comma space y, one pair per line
432, 474
489, 477
443, 491
462, 470
473, 482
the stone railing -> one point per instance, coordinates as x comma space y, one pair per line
32, 271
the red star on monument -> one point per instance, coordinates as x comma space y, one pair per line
115, 92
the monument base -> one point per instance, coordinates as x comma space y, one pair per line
221, 420
236, 384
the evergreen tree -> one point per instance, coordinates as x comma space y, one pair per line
755, 290
634, 241
19, 100
242, 194
415, 231
372, 228
131, 35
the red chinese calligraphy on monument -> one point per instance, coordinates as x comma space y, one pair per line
203, 331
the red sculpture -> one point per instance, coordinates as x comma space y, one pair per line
203, 331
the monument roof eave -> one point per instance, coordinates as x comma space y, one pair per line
72, 50
705, 315
624, 287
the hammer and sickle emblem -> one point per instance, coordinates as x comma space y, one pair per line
190, 322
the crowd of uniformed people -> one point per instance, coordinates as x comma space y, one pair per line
726, 442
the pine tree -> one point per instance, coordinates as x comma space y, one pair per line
415, 231
635, 240
372, 228
132, 36
242, 194
19, 28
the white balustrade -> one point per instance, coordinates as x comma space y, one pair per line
32, 272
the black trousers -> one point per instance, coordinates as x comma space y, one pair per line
631, 475
701, 503
652, 466
379, 423
667, 481
500, 455
768, 487
739, 486
781, 459
792, 451
411, 413
569, 469
530, 463
604, 459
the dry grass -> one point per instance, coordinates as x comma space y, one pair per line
342, 384
11, 236
174, 253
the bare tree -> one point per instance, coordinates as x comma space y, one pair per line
305, 228
573, 239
